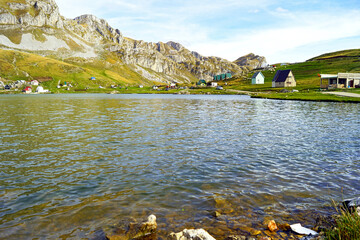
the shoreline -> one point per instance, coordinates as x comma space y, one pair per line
328, 97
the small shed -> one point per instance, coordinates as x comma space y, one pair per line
284, 78
40, 89
201, 82
93, 78
214, 84
27, 90
258, 78
34, 82
340, 80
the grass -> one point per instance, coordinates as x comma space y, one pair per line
347, 227
306, 96
16, 65
14, 35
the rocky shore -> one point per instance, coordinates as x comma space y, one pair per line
147, 230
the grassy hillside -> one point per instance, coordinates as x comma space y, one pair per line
108, 71
306, 73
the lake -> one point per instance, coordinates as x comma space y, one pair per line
73, 164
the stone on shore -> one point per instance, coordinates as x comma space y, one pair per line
272, 226
191, 234
352, 205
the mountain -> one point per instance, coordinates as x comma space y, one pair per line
251, 61
36, 27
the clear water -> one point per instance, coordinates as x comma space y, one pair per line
71, 164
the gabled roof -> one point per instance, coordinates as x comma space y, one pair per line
256, 74
281, 75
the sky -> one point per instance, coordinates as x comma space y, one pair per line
281, 31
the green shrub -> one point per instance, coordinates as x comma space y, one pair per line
347, 227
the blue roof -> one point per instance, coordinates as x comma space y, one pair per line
281, 75
256, 74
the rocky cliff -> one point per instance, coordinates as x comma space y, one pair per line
37, 27
251, 61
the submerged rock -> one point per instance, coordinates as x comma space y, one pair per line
191, 234
134, 230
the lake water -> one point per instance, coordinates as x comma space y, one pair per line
72, 164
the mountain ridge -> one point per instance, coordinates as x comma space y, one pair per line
37, 27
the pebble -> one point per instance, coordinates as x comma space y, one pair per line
272, 226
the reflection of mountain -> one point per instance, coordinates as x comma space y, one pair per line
37, 27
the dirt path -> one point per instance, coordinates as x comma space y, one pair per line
237, 91
344, 94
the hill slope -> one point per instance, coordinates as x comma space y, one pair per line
306, 73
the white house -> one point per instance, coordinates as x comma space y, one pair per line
35, 82
214, 84
40, 89
258, 78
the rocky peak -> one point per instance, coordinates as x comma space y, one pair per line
101, 26
175, 45
197, 55
251, 61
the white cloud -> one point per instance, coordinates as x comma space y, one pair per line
281, 10
277, 41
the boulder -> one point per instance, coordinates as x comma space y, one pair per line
191, 234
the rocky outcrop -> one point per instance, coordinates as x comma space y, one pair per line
32, 13
251, 61
102, 27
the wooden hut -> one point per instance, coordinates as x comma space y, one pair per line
284, 78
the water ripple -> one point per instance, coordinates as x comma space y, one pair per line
78, 161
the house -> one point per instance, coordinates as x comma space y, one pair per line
7, 87
155, 87
340, 80
40, 89
258, 78
27, 89
141, 86
93, 78
223, 76
34, 82
201, 82
284, 78
173, 85
214, 84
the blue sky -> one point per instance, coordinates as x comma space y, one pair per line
282, 31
